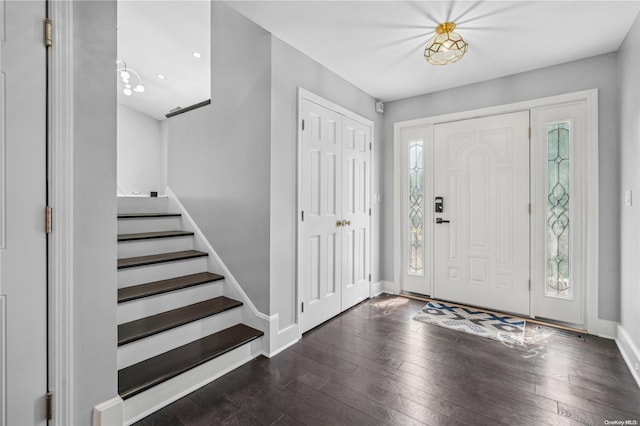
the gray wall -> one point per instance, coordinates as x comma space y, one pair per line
292, 69
629, 87
218, 156
597, 72
94, 213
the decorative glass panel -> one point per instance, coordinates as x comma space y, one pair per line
416, 208
558, 283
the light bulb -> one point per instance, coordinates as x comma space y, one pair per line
125, 75
128, 86
160, 76
127, 92
197, 55
139, 88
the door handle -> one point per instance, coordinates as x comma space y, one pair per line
346, 222
339, 223
440, 220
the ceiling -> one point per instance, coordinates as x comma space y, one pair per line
376, 45
159, 37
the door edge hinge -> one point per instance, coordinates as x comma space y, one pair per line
48, 405
370, 146
303, 125
48, 221
369, 211
529, 132
529, 284
369, 277
529, 208
302, 215
302, 307
48, 32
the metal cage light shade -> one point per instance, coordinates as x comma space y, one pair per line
446, 47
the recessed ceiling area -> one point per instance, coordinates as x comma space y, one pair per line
378, 45
159, 40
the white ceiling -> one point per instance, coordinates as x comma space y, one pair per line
159, 37
378, 45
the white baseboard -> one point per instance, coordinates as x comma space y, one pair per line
280, 339
390, 287
376, 289
630, 352
603, 328
109, 413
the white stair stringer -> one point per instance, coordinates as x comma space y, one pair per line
134, 352
148, 224
151, 305
154, 246
151, 400
231, 288
160, 271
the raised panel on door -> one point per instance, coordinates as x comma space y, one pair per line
356, 179
481, 245
320, 239
23, 292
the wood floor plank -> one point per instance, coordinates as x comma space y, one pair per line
375, 365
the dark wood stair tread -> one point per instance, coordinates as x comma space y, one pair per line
164, 286
131, 262
141, 376
153, 235
145, 327
146, 215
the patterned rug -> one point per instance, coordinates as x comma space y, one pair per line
504, 328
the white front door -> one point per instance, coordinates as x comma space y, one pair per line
356, 177
23, 292
335, 228
481, 237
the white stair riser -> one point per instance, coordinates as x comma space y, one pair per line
143, 204
154, 246
160, 271
133, 226
145, 403
151, 305
157, 344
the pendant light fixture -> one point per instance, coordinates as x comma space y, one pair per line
125, 75
446, 47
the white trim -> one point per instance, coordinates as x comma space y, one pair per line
61, 198
376, 289
305, 94
281, 339
592, 323
3, 360
109, 413
390, 287
630, 352
3, 136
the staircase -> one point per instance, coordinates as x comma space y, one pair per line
176, 329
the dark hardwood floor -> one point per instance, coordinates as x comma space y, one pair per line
374, 365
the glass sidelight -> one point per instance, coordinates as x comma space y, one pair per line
557, 209
416, 208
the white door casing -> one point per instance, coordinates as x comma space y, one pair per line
334, 230
481, 169
356, 193
23, 197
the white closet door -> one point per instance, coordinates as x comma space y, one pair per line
23, 262
481, 250
356, 177
321, 246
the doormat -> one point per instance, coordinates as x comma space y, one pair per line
504, 328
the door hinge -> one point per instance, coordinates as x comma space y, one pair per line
529, 132
370, 146
529, 208
529, 284
303, 125
302, 307
48, 32
369, 211
302, 214
48, 401
48, 222
369, 277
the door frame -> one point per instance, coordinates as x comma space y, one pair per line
60, 141
304, 94
590, 256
